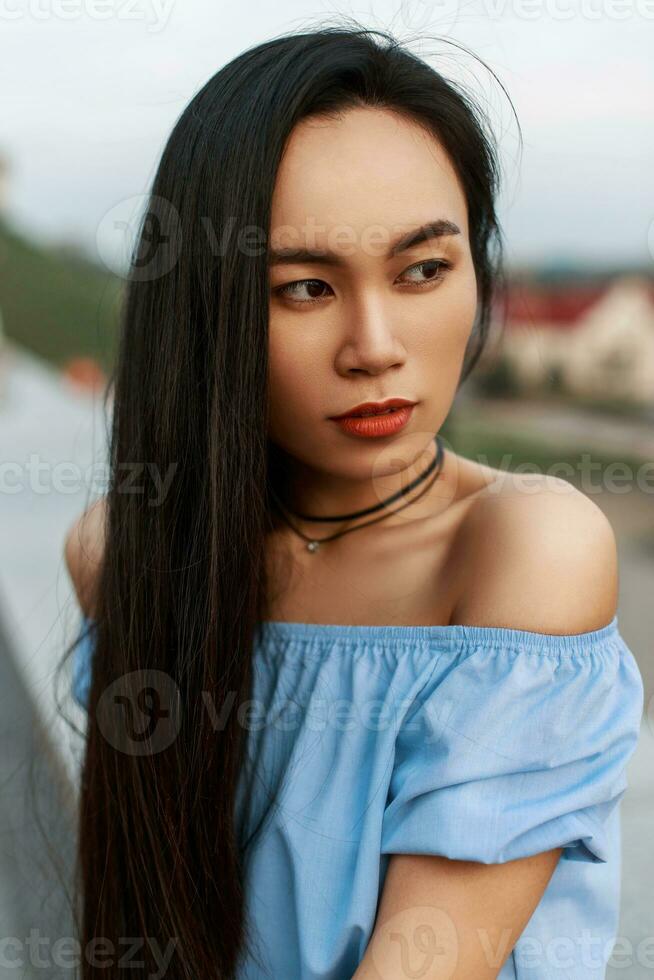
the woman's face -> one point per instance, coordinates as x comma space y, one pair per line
364, 324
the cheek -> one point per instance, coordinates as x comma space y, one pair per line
445, 324
293, 383
463, 307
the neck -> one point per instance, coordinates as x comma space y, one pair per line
309, 491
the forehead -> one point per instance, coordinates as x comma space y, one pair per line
368, 166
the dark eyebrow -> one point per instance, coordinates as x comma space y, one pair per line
430, 230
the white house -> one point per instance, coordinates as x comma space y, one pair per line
593, 341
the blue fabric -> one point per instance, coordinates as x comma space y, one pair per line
476, 743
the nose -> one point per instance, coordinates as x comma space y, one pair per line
371, 343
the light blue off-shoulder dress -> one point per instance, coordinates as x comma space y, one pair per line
477, 743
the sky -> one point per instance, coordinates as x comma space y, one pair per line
92, 88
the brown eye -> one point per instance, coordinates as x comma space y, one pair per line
293, 290
434, 269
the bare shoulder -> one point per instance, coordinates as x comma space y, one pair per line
538, 554
83, 550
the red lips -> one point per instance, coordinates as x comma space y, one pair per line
374, 407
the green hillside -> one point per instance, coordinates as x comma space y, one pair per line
56, 302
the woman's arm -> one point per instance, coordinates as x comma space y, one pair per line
452, 920
544, 561
83, 551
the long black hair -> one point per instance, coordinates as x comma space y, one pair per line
182, 584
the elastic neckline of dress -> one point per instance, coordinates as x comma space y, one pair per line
451, 636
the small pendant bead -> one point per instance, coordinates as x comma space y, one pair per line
313, 546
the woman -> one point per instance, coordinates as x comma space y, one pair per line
322, 240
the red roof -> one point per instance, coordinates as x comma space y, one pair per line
559, 307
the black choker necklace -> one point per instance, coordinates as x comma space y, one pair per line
313, 543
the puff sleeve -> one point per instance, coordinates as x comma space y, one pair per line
82, 662
518, 746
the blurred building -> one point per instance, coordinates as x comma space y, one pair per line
594, 341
